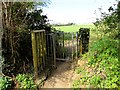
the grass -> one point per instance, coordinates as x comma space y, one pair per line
73, 28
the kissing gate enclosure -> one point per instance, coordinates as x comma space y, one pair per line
47, 47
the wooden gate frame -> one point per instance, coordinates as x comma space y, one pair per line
38, 50
77, 47
52, 42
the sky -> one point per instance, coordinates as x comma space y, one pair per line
76, 11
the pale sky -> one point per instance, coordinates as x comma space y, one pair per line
76, 11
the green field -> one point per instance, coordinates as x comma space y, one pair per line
73, 28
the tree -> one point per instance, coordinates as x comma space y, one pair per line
109, 23
36, 21
16, 35
1, 32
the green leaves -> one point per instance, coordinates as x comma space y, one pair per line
108, 24
25, 81
5, 83
79, 70
76, 85
95, 80
104, 56
104, 52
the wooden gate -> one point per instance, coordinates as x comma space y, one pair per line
57, 45
43, 51
51, 56
39, 50
67, 45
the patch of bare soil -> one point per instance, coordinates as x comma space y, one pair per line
61, 77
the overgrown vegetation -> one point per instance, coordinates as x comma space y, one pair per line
25, 81
21, 81
103, 54
19, 19
104, 58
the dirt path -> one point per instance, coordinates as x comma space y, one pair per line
61, 77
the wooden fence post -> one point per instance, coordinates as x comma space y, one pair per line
34, 55
80, 46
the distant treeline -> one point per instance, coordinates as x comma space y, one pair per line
68, 24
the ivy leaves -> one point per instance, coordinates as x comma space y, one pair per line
104, 56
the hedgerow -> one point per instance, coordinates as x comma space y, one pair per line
104, 58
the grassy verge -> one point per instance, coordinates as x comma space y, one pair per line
102, 69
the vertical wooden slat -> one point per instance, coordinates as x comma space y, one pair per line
45, 52
41, 51
37, 48
80, 47
60, 46
63, 45
54, 49
34, 55
76, 45
72, 44
39, 35
68, 52
43, 35
42, 54
48, 45
59, 50
51, 50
